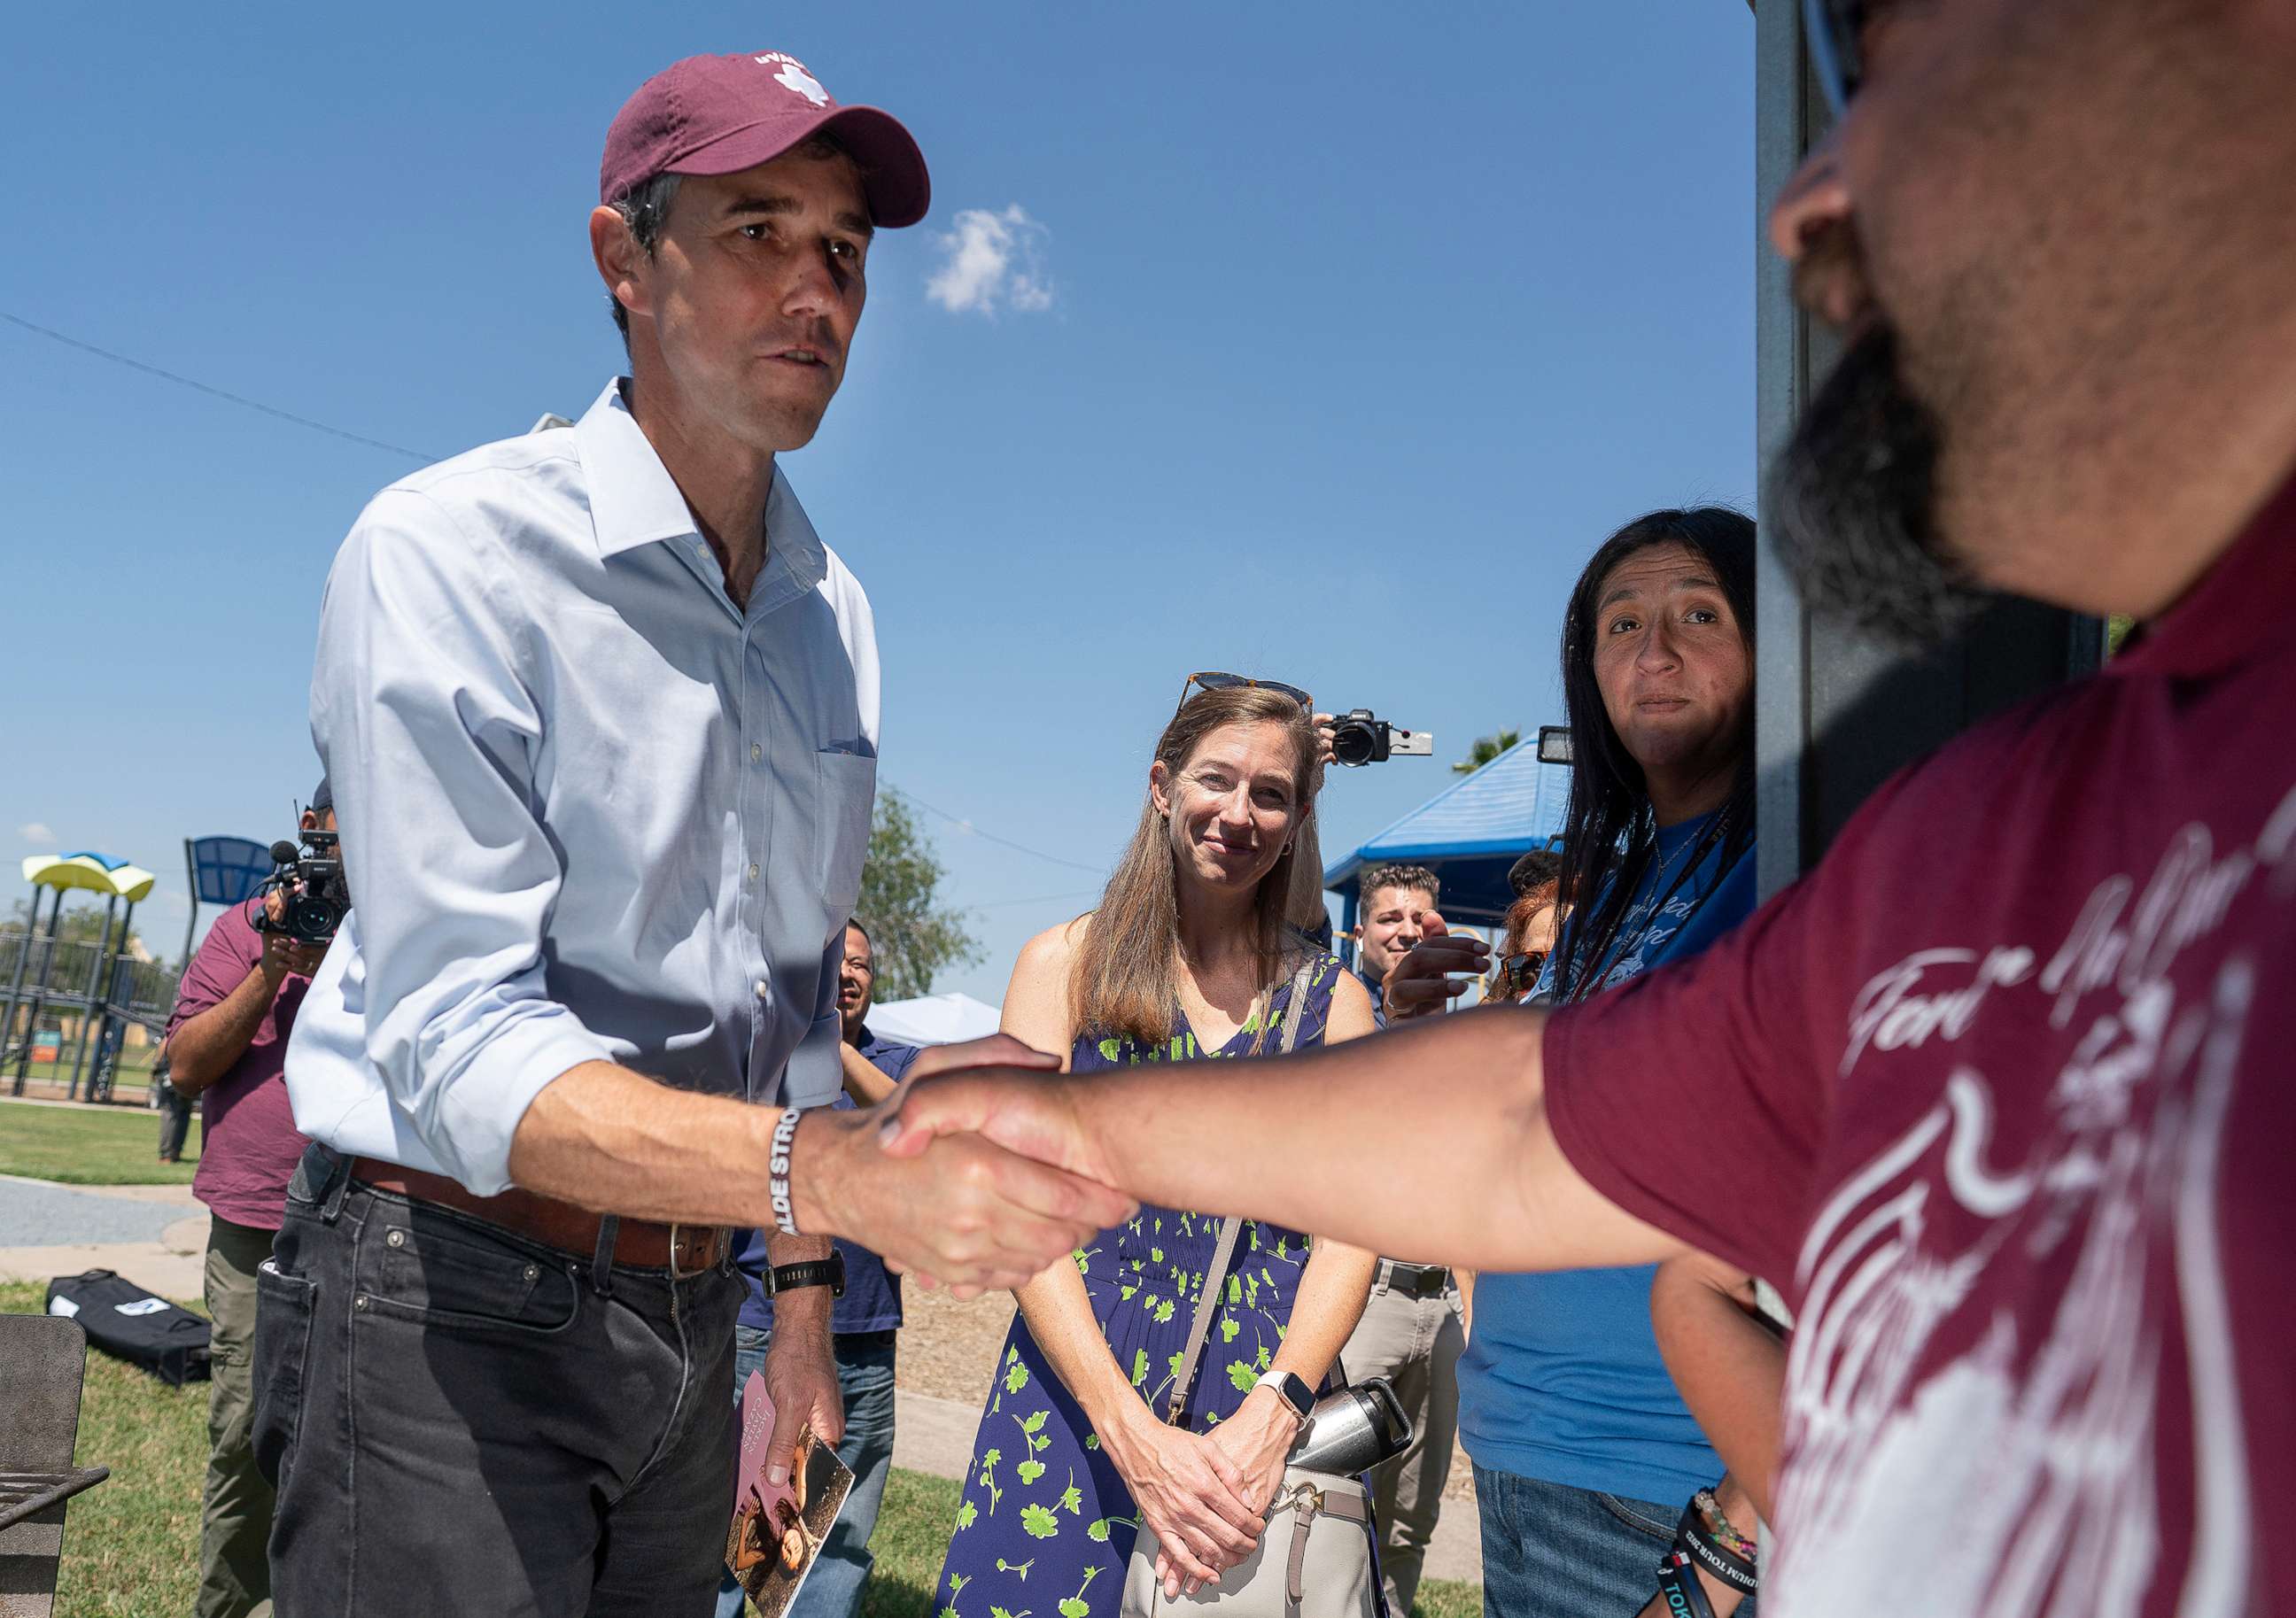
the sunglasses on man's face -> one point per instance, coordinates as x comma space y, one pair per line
1212, 680
1833, 27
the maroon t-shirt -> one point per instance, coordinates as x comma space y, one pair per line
2002, 1098
248, 1143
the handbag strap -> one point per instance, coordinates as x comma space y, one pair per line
1224, 1256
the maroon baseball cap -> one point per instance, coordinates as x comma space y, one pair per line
722, 114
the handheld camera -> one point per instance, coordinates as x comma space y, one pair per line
1359, 737
312, 883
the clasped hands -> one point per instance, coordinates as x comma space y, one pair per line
976, 1182
999, 1174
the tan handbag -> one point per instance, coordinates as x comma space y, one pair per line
1313, 1558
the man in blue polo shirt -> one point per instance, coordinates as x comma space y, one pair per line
862, 1324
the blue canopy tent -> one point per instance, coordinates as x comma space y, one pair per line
1468, 834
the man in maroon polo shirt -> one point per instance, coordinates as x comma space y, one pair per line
226, 1044
2000, 1094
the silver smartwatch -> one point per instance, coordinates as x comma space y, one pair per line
1293, 1390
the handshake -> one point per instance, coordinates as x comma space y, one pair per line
977, 1174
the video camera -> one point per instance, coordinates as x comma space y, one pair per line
1357, 738
317, 895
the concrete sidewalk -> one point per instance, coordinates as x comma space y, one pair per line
154, 1235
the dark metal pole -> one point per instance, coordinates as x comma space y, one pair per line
40, 990
89, 998
97, 1017
16, 980
191, 886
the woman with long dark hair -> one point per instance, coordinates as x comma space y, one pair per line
1584, 1452
1195, 951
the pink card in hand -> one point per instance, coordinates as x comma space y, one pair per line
777, 1531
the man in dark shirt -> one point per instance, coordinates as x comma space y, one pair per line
226, 1048
864, 1325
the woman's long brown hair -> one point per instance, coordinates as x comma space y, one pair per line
1125, 978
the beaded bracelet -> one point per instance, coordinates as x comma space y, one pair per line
1717, 1523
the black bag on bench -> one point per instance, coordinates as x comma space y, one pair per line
139, 1327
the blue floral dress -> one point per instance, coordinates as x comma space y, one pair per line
1046, 1526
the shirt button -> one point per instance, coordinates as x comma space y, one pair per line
763, 990
756, 752
753, 871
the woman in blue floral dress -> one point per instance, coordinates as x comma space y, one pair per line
1190, 956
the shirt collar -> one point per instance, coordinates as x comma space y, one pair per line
795, 559
2237, 611
635, 502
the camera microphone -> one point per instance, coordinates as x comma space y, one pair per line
284, 852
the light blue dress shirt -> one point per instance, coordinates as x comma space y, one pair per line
590, 809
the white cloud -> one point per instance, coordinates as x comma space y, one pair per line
992, 260
35, 831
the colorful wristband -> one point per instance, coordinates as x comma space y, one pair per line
1678, 1582
1694, 1542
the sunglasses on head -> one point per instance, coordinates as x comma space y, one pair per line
1213, 680
1832, 28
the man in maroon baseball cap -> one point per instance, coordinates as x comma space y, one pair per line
721, 175
603, 708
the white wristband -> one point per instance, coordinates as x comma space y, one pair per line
778, 1184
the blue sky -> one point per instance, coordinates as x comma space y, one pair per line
1329, 341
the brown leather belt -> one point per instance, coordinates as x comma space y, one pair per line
644, 1243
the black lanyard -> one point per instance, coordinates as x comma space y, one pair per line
1604, 958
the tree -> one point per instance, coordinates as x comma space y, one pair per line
1486, 749
914, 938
81, 923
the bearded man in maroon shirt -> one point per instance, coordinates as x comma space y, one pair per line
2001, 1095
226, 1045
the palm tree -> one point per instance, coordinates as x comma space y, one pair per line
1486, 749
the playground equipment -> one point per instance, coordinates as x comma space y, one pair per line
94, 982
49, 979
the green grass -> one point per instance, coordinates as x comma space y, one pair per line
90, 1146
131, 1544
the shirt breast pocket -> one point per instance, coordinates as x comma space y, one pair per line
848, 791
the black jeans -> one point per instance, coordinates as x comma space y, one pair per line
461, 1420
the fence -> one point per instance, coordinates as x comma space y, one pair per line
66, 979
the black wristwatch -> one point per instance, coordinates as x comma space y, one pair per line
828, 1272
1291, 1389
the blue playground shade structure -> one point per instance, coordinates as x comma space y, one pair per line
1468, 834
225, 870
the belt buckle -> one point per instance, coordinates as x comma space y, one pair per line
679, 1235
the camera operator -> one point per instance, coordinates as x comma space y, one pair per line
226, 1048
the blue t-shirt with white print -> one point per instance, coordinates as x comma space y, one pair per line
1561, 1379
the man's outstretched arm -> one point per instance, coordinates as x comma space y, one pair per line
608, 1138
1432, 1140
